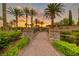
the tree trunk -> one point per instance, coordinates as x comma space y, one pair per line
52, 22
16, 21
31, 21
41, 25
36, 22
4, 16
26, 21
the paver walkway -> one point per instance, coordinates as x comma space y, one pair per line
39, 46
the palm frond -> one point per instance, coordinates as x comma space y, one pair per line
54, 9
26, 11
33, 12
15, 11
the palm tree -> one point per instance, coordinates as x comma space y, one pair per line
32, 14
4, 16
14, 23
41, 23
26, 11
16, 13
37, 22
52, 10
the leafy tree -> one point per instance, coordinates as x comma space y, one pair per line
70, 18
54, 9
65, 22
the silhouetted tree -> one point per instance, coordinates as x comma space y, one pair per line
26, 12
32, 14
41, 23
52, 10
16, 13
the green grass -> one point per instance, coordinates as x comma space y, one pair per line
67, 48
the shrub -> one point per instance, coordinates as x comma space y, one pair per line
18, 28
67, 48
13, 51
7, 37
69, 36
75, 33
65, 33
76, 37
23, 42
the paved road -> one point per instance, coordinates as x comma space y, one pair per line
39, 46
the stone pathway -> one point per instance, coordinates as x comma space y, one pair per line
39, 46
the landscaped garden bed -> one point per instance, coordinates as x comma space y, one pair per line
71, 37
68, 49
68, 43
14, 50
11, 42
7, 37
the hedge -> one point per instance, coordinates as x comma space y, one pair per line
65, 32
66, 48
13, 51
71, 37
7, 37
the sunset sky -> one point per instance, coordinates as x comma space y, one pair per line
41, 6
